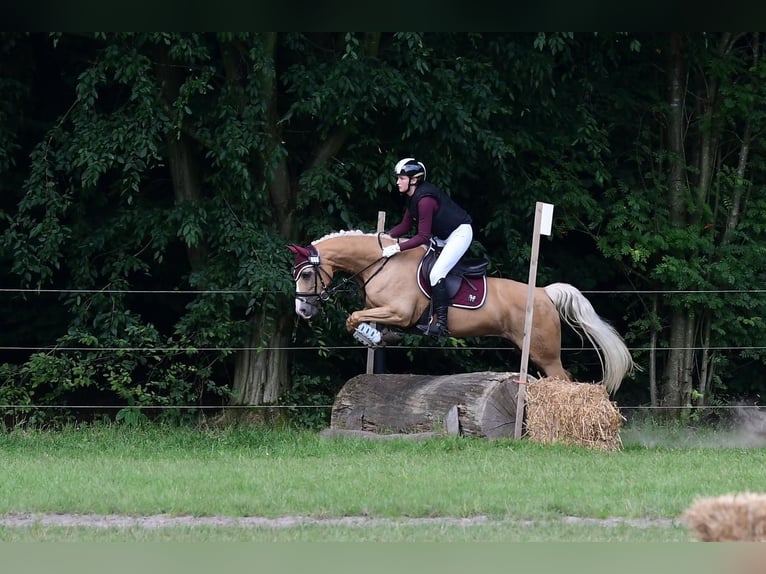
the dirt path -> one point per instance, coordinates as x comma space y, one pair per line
167, 521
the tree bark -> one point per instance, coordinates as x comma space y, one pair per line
486, 403
653, 359
677, 187
707, 365
671, 381
261, 372
744, 151
263, 368
675, 379
182, 161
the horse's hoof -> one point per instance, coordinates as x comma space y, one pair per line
391, 337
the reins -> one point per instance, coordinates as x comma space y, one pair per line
328, 292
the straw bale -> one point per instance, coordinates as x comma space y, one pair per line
728, 518
572, 413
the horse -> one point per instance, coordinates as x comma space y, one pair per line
393, 297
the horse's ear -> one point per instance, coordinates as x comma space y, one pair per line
298, 250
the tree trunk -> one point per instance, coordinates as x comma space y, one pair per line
486, 403
261, 372
744, 151
262, 369
182, 161
653, 358
674, 377
707, 369
677, 187
677, 380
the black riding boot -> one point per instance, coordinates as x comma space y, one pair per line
440, 303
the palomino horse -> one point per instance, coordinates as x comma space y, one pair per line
392, 297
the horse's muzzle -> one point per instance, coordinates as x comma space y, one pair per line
306, 307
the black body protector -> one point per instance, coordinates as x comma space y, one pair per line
448, 216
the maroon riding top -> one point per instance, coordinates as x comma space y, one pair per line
427, 206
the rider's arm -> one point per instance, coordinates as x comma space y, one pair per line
403, 226
426, 209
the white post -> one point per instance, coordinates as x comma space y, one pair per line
543, 220
370, 350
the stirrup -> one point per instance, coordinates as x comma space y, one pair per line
435, 330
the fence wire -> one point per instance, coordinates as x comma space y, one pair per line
231, 349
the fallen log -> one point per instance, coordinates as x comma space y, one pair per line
484, 402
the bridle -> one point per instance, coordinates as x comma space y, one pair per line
314, 260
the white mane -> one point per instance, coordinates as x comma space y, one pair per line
343, 232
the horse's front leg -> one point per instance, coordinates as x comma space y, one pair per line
385, 315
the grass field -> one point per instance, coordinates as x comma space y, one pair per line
110, 483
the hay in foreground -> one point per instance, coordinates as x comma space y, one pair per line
565, 412
728, 518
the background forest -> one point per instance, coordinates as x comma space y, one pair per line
151, 181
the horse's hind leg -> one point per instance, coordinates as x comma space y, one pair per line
545, 354
545, 346
549, 362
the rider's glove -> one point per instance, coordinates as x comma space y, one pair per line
390, 250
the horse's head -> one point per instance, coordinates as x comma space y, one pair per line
311, 280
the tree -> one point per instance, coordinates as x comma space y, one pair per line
184, 162
691, 187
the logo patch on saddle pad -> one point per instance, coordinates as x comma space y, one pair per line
467, 292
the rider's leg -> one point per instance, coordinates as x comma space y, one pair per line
440, 303
454, 247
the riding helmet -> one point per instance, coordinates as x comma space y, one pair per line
411, 167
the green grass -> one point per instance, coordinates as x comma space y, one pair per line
523, 489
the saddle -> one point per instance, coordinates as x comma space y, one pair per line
466, 282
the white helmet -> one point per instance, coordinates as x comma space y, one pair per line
411, 167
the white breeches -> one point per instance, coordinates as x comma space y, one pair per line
453, 249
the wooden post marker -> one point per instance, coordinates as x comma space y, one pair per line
543, 223
370, 350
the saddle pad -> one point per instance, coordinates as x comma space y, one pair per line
470, 293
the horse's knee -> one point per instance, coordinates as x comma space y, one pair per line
351, 323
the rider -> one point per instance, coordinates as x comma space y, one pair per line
435, 215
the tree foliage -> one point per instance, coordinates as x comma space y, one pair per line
151, 181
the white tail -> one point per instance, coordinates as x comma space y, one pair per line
579, 314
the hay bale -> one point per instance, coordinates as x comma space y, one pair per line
565, 412
728, 518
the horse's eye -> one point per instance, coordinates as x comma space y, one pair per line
307, 274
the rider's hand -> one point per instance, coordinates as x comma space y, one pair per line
390, 250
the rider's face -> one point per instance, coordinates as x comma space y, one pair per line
403, 183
